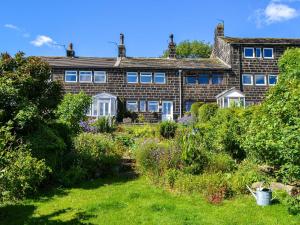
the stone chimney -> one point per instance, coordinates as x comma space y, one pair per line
70, 51
172, 47
219, 31
121, 47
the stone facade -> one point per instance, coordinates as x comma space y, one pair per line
227, 60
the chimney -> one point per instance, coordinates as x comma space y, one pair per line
70, 51
219, 31
121, 47
172, 47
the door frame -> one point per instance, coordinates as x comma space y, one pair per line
104, 101
168, 116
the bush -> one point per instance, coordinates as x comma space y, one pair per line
145, 131
221, 162
195, 108
207, 111
22, 174
96, 153
105, 124
167, 129
73, 109
293, 203
73, 175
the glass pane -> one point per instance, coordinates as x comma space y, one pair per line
260, 79
191, 80
85, 76
258, 52
249, 52
153, 106
247, 79
99, 76
94, 107
106, 109
71, 78
268, 52
188, 106
203, 79
101, 109
146, 78
159, 78
143, 106
272, 79
217, 79
132, 106
132, 78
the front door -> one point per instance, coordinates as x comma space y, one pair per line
104, 108
167, 110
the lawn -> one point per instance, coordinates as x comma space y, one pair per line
117, 201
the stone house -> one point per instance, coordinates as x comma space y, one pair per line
165, 88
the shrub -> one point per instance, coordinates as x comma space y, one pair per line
167, 129
145, 131
105, 124
22, 174
195, 108
72, 175
73, 109
206, 112
220, 162
96, 153
293, 203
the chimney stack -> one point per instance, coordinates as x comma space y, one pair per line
121, 47
219, 31
70, 51
172, 47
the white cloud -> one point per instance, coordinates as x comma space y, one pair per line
11, 26
43, 40
276, 11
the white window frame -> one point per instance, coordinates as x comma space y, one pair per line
272, 53
91, 74
100, 73
66, 74
149, 102
249, 57
251, 79
132, 102
145, 106
265, 80
131, 74
161, 75
261, 53
272, 75
146, 74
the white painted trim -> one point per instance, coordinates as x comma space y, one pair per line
265, 80
103, 73
131, 74
146, 74
160, 74
249, 57
251, 79
268, 57
171, 110
88, 71
145, 109
71, 75
153, 102
133, 101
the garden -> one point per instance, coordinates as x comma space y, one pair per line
59, 167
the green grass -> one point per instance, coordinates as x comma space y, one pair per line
136, 202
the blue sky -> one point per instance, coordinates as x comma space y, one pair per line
35, 27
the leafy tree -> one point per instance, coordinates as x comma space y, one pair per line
192, 49
273, 134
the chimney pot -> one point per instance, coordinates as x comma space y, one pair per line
121, 47
172, 47
219, 31
70, 51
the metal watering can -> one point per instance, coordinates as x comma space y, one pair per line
263, 196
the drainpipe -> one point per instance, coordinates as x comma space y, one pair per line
180, 93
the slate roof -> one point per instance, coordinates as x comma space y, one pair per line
131, 62
283, 41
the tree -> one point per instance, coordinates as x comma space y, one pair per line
192, 49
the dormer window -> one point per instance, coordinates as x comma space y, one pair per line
268, 53
249, 53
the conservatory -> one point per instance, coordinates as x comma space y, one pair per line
230, 98
104, 104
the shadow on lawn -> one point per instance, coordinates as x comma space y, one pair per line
22, 215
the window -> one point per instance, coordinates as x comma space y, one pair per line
260, 80
188, 105
258, 52
132, 106
153, 106
249, 52
217, 79
190, 80
132, 77
247, 79
94, 107
71, 76
268, 53
100, 77
159, 78
142, 106
85, 76
146, 78
272, 79
203, 79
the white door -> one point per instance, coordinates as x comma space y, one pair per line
167, 110
104, 108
